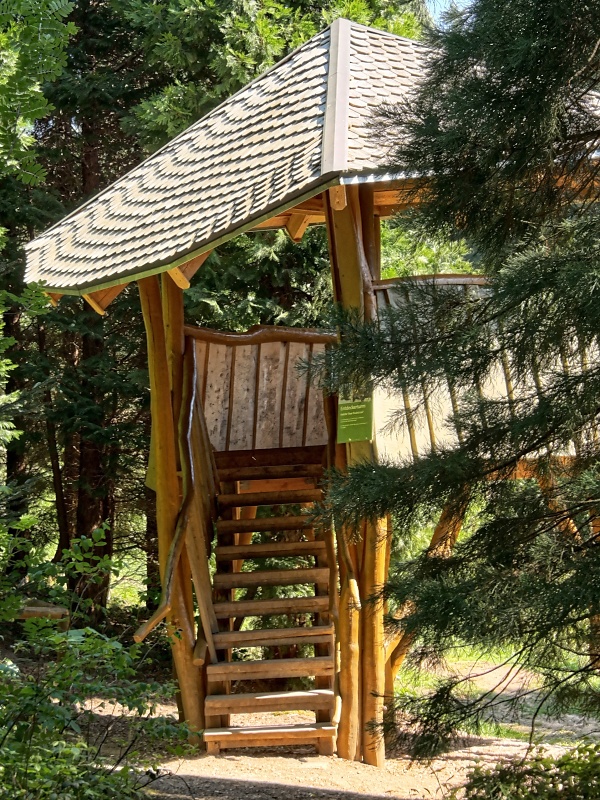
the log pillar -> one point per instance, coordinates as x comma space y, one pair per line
353, 234
180, 622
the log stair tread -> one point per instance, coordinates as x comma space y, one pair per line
270, 472
251, 702
270, 668
265, 524
288, 477
274, 637
283, 497
285, 456
271, 577
321, 734
260, 608
269, 550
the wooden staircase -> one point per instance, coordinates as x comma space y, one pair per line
275, 654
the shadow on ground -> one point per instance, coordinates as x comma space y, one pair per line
182, 787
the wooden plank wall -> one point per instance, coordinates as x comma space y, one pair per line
255, 397
425, 419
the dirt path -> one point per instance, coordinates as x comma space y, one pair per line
299, 774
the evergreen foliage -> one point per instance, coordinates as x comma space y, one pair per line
504, 133
575, 775
33, 38
133, 75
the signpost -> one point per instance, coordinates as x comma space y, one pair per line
355, 420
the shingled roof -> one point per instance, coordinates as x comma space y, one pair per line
301, 126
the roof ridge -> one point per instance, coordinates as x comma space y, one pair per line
334, 148
391, 35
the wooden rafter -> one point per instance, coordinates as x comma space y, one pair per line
183, 273
53, 297
297, 224
101, 299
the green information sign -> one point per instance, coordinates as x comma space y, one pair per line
355, 420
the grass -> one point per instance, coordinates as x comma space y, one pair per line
565, 730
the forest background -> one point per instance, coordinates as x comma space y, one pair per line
504, 131
118, 78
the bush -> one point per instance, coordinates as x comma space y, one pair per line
575, 775
54, 743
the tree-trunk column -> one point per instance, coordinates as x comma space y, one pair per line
180, 625
354, 252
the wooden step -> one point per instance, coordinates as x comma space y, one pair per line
280, 498
269, 473
274, 637
271, 577
270, 668
260, 608
237, 552
314, 700
281, 456
224, 738
266, 524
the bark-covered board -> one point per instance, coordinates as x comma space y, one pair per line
255, 392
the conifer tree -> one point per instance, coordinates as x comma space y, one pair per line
504, 133
135, 74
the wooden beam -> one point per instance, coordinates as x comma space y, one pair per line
191, 267
101, 299
338, 198
91, 301
53, 297
296, 226
200, 652
182, 274
178, 278
275, 222
261, 334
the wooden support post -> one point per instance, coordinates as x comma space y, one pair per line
348, 635
354, 252
180, 626
373, 651
172, 308
173, 319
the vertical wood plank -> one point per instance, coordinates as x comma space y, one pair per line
200, 348
316, 428
268, 410
231, 392
216, 403
294, 399
284, 388
244, 387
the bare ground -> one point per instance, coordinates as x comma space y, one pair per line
284, 773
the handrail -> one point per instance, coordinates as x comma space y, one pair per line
197, 556
441, 279
261, 334
190, 498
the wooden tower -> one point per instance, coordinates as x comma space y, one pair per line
239, 439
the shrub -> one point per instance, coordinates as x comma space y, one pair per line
575, 775
54, 743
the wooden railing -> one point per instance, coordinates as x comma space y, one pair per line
254, 396
194, 529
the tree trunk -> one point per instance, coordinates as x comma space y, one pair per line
92, 490
151, 549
